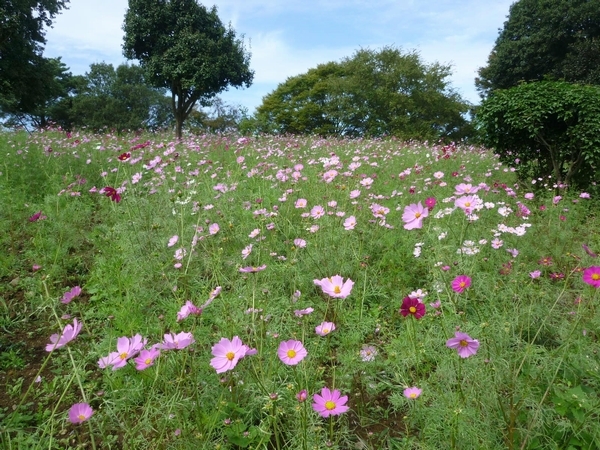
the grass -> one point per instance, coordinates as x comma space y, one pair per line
532, 384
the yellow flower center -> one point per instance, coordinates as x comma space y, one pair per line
412, 309
291, 353
148, 361
81, 417
337, 290
596, 276
412, 395
462, 284
325, 330
329, 405
123, 355
230, 356
463, 343
417, 215
468, 204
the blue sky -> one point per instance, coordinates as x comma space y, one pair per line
288, 37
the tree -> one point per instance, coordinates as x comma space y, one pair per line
185, 48
119, 99
373, 93
218, 117
545, 129
41, 89
545, 39
22, 41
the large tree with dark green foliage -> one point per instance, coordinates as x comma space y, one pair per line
118, 99
42, 89
545, 39
373, 93
185, 48
22, 42
545, 129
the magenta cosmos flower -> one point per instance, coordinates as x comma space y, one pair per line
591, 276
80, 412
413, 216
463, 344
335, 286
69, 333
412, 392
460, 283
413, 307
291, 352
227, 354
187, 309
330, 403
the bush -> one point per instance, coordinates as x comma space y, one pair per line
546, 129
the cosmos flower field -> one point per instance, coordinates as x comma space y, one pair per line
227, 292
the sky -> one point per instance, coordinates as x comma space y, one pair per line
289, 37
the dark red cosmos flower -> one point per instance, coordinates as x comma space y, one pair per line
37, 216
112, 193
413, 307
124, 156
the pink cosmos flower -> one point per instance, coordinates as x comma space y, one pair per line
317, 212
172, 241
354, 194
252, 269
127, 348
187, 309
80, 412
368, 353
591, 276
335, 286
462, 189
70, 295
213, 228
146, 358
300, 243
460, 283
589, 251
303, 312
291, 352
246, 252
325, 328
412, 392
463, 344
302, 395
330, 403
350, 223
413, 216
69, 333
467, 203
301, 203
535, 274
227, 354
177, 341
413, 307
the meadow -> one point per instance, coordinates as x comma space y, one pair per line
227, 292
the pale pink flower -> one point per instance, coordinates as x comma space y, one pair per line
325, 328
146, 358
187, 309
303, 312
335, 286
354, 194
291, 352
301, 203
177, 341
80, 412
317, 212
227, 354
69, 333
246, 252
173, 241
70, 295
254, 233
412, 392
213, 228
350, 223
413, 216
300, 243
